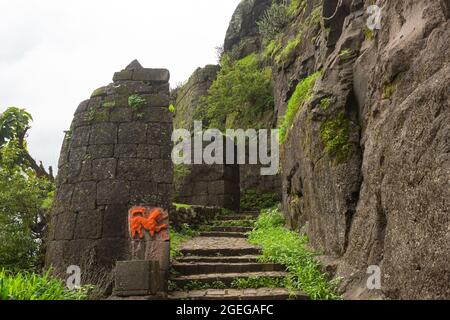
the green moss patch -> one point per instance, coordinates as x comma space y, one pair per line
335, 137
301, 94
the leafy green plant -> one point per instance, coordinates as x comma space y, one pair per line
295, 7
335, 136
390, 87
274, 19
179, 206
240, 96
25, 196
136, 102
28, 286
172, 108
301, 94
286, 54
325, 103
290, 249
369, 35
253, 199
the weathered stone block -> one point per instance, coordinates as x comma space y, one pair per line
100, 151
104, 169
123, 75
152, 251
157, 100
132, 133
201, 188
156, 114
84, 196
151, 75
82, 107
161, 171
113, 192
159, 134
146, 151
121, 115
217, 187
142, 191
137, 278
135, 169
115, 222
80, 137
63, 198
125, 151
77, 154
109, 251
89, 225
65, 226
103, 133
166, 152
99, 92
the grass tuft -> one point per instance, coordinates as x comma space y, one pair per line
289, 248
301, 94
28, 286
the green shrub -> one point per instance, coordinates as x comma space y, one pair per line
241, 94
28, 286
325, 103
301, 94
286, 54
252, 199
335, 136
295, 6
274, 20
25, 200
289, 249
136, 102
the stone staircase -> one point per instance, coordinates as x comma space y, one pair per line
221, 255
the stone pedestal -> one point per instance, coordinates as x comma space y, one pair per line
137, 278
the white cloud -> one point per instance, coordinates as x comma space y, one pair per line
54, 53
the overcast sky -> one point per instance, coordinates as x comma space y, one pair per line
54, 53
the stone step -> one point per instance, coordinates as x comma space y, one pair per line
219, 234
205, 268
230, 259
235, 217
225, 278
238, 294
217, 252
232, 229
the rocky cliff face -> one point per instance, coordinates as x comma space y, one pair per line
365, 163
385, 97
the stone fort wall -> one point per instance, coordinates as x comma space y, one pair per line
117, 154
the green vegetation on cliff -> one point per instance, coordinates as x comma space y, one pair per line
335, 136
301, 95
241, 96
290, 249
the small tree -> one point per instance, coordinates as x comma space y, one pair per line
26, 193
